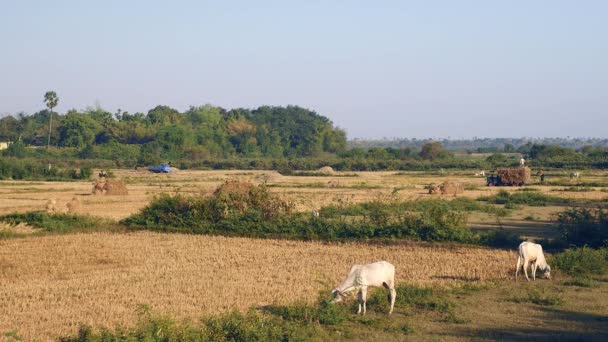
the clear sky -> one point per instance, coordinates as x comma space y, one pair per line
376, 68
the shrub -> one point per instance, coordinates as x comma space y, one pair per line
582, 261
582, 226
500, 239
253, 212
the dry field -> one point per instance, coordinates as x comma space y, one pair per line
307, 192
51, 284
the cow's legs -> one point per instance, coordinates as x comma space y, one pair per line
518, 267
392, 297
526, 262
534, 267
362, 297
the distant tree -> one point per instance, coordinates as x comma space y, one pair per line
431, 150
51, 100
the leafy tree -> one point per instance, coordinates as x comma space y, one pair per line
78, 130
10, 129
431, 151
51, 100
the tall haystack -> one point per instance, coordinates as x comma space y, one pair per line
516, 176
109, 187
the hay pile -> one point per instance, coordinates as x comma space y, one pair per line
517, 176
446, 188
234, 187
326, 170
73, 205
51, 206
333, 183
109, 187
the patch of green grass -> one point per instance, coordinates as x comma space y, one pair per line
60, 223
527, 197
539, 297
579, 282
574, 189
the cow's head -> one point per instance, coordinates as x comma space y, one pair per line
547, 272
336, 296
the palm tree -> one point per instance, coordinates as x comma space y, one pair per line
51, 100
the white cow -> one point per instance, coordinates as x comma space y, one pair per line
314, 214
378, 274
574, 175
530, 252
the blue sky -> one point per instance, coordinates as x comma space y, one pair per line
376, 68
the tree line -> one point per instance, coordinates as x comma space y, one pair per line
200, 132
268, 137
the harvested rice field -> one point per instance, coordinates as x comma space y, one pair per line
50, 285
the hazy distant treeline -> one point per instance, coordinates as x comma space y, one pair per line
481, 145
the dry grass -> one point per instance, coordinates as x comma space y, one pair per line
49, 285
143, 185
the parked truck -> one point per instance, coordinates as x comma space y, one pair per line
160, 168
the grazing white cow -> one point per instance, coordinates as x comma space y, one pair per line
378, 274
575, 174
314, 214
530, 252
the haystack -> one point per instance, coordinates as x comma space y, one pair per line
515, 176
333, 183
446, 188
234, 187
73, 205
451, 188
433, 189
51, 206
326, 170
109, 187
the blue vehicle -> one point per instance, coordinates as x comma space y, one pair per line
161, 168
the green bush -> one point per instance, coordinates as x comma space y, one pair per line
581, 261
500, 239
242, 209
582, 226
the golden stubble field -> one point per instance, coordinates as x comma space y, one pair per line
307, 192
51, 284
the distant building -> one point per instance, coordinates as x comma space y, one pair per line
4, 145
